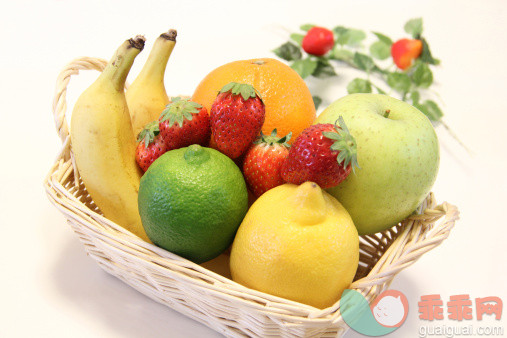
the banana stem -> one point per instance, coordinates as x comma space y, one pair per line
159, 56
117, 69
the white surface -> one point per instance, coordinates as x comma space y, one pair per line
50, 288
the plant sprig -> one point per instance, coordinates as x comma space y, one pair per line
410, 84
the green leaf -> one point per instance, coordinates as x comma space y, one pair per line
359, 86
227, 87
426, 54
331, 135
316, 101
324, 69
339, 30
342, 54
304, 67
245, 90
399, 82
379, 90
355, 36
414, 27
306, 27
422, 75
380, 50
288, 51
431, 110
415, 96
348, 36
363, 62
298, 38
385, 39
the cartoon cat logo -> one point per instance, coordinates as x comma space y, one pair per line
390, 308
386, 313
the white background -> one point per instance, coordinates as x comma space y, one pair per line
50, 288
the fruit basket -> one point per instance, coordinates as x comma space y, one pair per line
207, 296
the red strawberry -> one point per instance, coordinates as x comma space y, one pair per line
237, 116
263, 161
318, 41
151, 145
184, 123
405, 51
322, 153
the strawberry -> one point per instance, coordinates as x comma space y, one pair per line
237, 116
151, 145
322, 153
318, 41
405, 51
184, 123
263, 160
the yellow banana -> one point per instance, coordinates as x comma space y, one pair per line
103, 141
146, 96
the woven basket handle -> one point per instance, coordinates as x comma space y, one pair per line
62, 81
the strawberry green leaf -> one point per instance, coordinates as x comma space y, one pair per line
399, 82
380, 50
431, 110
384, 38
245, 90
344, 143
316, 101
379, 90
148, 133
422, 75
414, 27
426, 55
273, 139
349, 36
339, 31
288, 51
298, 38
331, 135
227, 87
324, 69
359, 86
415, 96
342, 55
306, 27
179, 110
363, 62
304, 67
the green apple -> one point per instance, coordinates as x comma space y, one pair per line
398, 156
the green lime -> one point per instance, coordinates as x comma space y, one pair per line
191, 201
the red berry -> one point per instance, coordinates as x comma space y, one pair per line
318, 41
405, 51
151, 146
263, 161
184, 123
237, 116
322, 153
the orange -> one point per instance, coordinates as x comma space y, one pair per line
289, 103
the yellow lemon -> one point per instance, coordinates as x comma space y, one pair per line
299, 243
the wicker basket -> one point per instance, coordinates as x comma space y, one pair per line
212, 298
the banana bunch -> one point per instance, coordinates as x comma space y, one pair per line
103, 128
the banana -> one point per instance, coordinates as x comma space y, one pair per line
103, 141
146, 96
